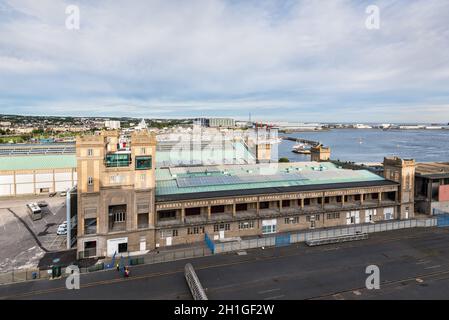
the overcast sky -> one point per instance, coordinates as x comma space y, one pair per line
280, 60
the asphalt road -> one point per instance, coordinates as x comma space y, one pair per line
414, 264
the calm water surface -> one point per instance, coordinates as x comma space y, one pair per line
371, 145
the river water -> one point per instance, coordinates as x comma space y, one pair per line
372, 145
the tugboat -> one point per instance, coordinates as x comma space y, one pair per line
300, 148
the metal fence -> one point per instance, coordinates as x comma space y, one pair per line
19, 275
323, 234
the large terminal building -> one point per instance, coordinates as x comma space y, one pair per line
126, 204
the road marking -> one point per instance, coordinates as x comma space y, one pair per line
423, 262
433, 267
275, 297
267, 291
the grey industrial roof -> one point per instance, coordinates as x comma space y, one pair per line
233, 180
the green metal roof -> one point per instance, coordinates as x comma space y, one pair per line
181, 180
36, 162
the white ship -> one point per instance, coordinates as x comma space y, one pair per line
300, 148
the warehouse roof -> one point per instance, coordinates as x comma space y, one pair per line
35, 162
433, 169
225, 180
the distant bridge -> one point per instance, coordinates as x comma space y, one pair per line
304, 141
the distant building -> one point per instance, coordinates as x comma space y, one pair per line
112, 124
432, 187
320, 153
215, 122
142, 125
30, 170
296, 126
361, 126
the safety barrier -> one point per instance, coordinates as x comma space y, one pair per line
339, 239
308, 235
194, 283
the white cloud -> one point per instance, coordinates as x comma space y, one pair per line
215, 55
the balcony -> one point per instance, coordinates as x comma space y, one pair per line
290, 210
269, 212
245, 214
169, 222
223, 216
195, 219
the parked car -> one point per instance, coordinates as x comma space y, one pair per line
42, 204
52, 194
63, 224
62, 230
63, 193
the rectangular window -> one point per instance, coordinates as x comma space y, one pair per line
217, 209
222, 226
268, 229
333, 215
307, 202
142, 220
241, 207
90, 152
315, 217
293, 220
195, 230
143, 151
90, 226
246, 225
193, 211
264, 205
143, 163
353, 217
168, 233
90, 181
167, 214
285, 203
117, 160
